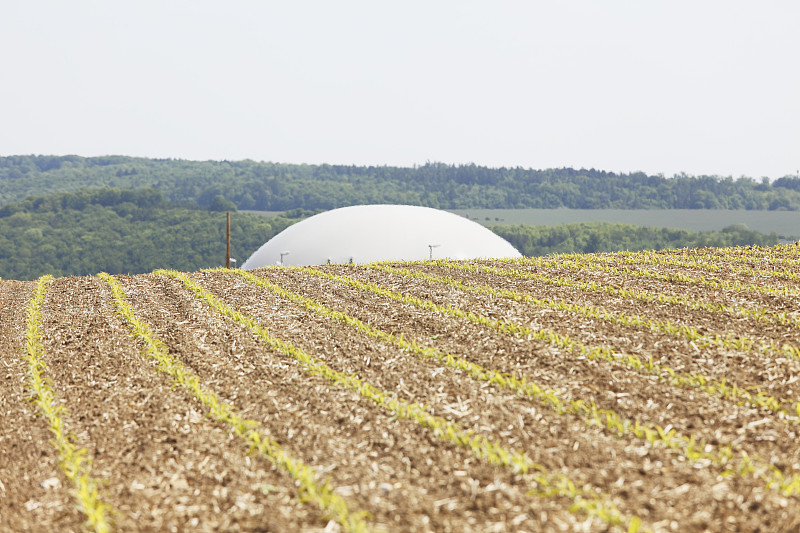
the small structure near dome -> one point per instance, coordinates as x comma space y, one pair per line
366, 233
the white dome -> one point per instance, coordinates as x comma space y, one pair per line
366, 233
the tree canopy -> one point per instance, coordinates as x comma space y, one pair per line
120, 231
251, 185
136, 231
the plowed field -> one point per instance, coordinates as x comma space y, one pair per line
623, 392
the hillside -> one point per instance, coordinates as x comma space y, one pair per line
123, 231
627, 392
120, 231
278, 186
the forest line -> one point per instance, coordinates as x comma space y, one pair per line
279, 186
136, 231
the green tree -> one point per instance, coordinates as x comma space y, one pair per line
220, 203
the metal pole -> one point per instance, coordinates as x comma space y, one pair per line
228, 242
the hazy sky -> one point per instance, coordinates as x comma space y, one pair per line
701, 86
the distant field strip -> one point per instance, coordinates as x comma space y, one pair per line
586, 263
73, 461
309, 488
760, 314
688, 445
549, 484
709, 385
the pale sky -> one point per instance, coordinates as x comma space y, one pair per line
701, 86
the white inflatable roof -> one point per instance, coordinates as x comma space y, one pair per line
366, 233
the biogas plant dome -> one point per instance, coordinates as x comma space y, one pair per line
366, 233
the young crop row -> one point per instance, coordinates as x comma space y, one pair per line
707, 262
714, 261
73, 461
698, 262
607, 353
548, 484
745, 464
787, 255
741, 343
780, 254
688, 445
587, 263
760, 314
310, 489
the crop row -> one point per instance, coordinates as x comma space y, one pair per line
784, 255
781, 255
739, 341
694, 449
602, 352
714, 259
732, 458
742, 343
760, 314
548, 484
73, 460
77, 466
587, 263
698, 262
310, 489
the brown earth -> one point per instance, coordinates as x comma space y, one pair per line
632, 394
744, 298
31, 498
403, 476
164, 465
772, 372
594, 457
